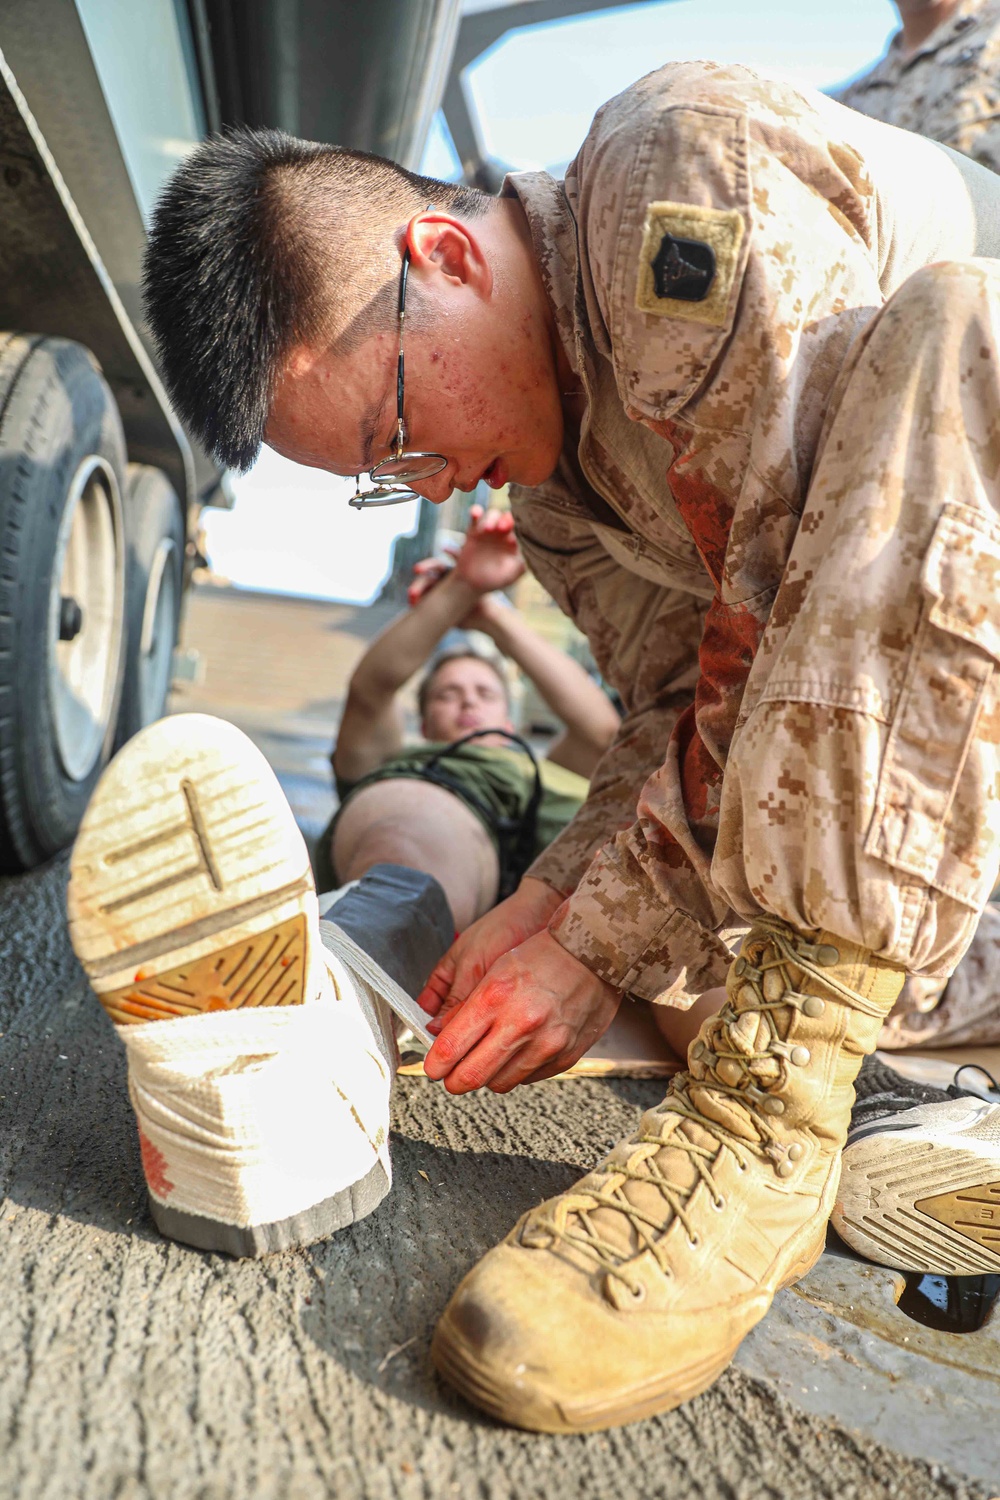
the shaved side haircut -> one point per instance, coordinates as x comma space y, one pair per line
259, 242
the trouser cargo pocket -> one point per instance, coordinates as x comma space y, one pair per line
936, 809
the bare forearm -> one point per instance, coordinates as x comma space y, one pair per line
567, 689
406, 644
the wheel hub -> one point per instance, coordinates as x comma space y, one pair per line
85, 615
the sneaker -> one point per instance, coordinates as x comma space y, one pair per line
920, 1182
259, 1062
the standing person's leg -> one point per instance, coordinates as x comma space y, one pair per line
963, 1011
858, 837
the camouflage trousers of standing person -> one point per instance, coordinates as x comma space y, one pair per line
862, 789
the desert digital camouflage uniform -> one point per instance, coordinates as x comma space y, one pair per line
948, 89
779, 527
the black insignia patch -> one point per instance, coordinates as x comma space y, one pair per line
684, 269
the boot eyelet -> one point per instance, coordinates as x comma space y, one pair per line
719, 1204
742, 1167
694, 1243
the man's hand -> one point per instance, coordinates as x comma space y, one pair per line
471, 955
488, 560
537, 1010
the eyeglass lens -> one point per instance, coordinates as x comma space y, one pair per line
408, 468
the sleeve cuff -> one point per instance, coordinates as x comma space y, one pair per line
631, 938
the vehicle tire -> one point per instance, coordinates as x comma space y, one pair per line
62, 584
155, 535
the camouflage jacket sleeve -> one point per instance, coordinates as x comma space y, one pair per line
946, 89
645, 639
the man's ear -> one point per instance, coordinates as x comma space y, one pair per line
440, 245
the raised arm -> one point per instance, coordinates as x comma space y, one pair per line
584, 708
371, 729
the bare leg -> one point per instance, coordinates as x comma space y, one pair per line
680, 1027
410, 822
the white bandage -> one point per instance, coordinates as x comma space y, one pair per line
352, 965
250, 1116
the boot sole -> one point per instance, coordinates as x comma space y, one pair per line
190, 887
917, 1202
536, 1411
191, 892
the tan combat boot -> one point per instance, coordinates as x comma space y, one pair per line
631, 1292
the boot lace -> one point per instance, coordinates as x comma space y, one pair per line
739, 1061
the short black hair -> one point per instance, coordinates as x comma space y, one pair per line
250, 242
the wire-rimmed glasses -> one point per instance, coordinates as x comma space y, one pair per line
393, 476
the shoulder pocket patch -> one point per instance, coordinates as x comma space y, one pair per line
688, 262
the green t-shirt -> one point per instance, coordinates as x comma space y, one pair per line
495, 782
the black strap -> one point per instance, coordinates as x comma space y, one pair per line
517, 836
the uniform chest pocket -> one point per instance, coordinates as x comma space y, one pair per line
937, 814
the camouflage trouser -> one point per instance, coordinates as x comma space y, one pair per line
963, 1011
862, 791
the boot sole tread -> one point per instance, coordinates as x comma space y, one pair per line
190, 888
924, 1210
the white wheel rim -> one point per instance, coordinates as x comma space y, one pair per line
159, 625
89, 569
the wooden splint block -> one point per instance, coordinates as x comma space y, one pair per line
632, 1047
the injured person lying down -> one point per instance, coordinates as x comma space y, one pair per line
470, 804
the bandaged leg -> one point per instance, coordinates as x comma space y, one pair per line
263, 1102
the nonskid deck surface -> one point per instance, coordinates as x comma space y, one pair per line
311, 1367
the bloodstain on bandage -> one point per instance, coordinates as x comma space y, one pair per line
154, 1164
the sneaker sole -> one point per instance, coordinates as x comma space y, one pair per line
190, 887
190, 892
918, 1202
